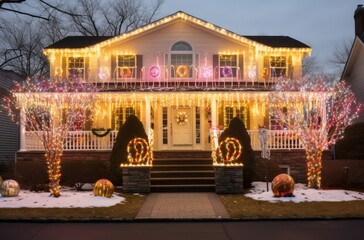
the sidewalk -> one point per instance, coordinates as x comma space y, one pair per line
182, 206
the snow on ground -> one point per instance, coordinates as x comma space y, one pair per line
68, 199
303, 194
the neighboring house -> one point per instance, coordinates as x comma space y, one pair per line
354, 69
182, 77
9, 131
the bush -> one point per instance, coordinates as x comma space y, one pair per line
132, 128
237, 130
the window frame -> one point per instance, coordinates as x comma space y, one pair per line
129, 68
75, 67
176, 67
282, 70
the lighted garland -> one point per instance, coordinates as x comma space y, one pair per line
181, 118
229, 150
138, 152
125, 72
96, 132
227, 71
182, 71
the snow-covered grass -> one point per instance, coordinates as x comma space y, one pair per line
303, 194
68, 199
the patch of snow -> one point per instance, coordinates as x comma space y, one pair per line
68, 199
303, 194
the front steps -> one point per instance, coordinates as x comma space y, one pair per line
182, 171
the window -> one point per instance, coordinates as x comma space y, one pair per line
181, 60
228, 66
120, 114
126, 66
227, 113
278, 66
198, 126
76, 66
165, 125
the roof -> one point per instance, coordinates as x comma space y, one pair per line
263, 41
78, 41
278, 41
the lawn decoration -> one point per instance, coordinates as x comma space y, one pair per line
283, 185
9, 188
39, 104
229, 150
103, 188
319, 118
138, 152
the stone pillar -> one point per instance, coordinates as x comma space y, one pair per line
136, 179
229, 179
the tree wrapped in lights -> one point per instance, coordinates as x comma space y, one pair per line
318, 112
49, 109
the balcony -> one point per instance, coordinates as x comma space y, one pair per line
87, 141
167, 78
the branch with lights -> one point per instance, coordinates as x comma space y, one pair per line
50, 109
319, 117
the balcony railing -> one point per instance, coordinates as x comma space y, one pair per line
86, 140
167, 77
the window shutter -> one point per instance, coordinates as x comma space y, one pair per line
215, 65
290, 67
241, 66
113, 67
87, 68
64, 67
266, 71
139, 59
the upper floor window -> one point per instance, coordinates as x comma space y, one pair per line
276, 66
126, 66
182, 60
76, 66
228, 66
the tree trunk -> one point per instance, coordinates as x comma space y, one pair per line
314, 166
53, 157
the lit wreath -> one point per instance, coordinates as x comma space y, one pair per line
181, 118
227, 72
229, 150
100, 132
154, 71
125, 72
138, 151
182, 71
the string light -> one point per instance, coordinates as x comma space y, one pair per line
319, 115
139, 153
50, 110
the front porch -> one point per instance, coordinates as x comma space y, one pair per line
88, 141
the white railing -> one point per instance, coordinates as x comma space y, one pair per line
86, 140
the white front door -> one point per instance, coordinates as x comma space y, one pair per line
182, 126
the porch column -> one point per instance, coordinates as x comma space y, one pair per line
22, 130
147, 116
213, 113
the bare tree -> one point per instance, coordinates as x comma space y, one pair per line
340, 54
42, 22
309, 66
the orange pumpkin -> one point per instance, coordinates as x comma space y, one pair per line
103, 188
283, 185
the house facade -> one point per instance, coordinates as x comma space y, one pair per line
182, 77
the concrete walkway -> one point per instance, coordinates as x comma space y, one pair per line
182, 206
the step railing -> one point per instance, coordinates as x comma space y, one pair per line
86, 140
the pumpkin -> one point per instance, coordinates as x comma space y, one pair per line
103, 188
9, 188
283, 185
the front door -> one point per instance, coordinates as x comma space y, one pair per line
182, 126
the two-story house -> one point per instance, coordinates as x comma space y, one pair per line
182, 77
